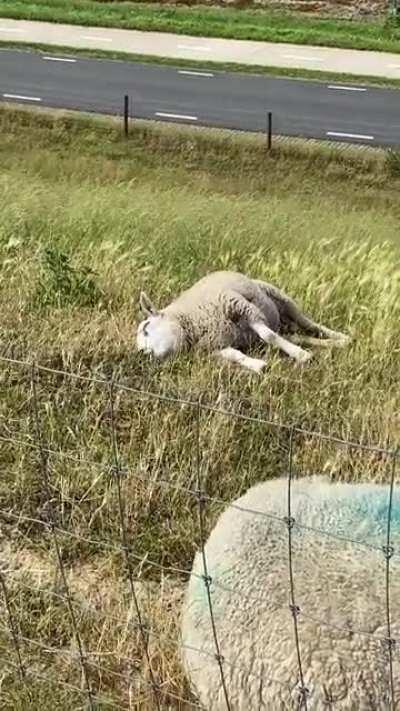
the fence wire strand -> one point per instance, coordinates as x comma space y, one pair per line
388, 552
110, 545
294, 608
50, 522
40, 676
122, 677
161, 637
206, 576
53, 530
193, 402
13, 630
103, 471
118, 473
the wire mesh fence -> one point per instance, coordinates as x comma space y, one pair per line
107, 491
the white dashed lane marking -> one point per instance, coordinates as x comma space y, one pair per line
195, 74
21, 97
346, 88
339, 134
162, 114
60, 59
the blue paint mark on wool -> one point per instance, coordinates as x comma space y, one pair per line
360, 513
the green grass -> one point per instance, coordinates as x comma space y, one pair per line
290, 73
88, 220
264, 25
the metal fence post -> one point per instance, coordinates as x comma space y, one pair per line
126, 115
269, 130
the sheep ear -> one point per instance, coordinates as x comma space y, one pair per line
146, 306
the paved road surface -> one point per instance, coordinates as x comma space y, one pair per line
380, 64
300, 108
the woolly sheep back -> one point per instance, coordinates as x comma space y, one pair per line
210, 311
337, 582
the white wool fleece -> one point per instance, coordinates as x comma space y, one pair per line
215, 312
339, 588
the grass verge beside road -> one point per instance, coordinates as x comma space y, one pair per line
230, 23
88, 219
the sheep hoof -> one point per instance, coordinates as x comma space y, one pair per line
256, 365
344, 340
303, 357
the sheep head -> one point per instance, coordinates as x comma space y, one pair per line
159, 334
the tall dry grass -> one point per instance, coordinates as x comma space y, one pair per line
87, 220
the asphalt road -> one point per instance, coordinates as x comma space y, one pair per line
299, 108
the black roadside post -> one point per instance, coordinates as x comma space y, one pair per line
269, 130
126, 115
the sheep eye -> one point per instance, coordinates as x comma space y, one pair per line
145, 332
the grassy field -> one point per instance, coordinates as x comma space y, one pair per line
271, 26
87, 220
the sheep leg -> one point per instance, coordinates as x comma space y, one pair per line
318, 330
311, 328
270, 337
235, 356
301, 339
296, 316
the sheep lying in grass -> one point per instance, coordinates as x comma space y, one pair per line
339, 590
227, 313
